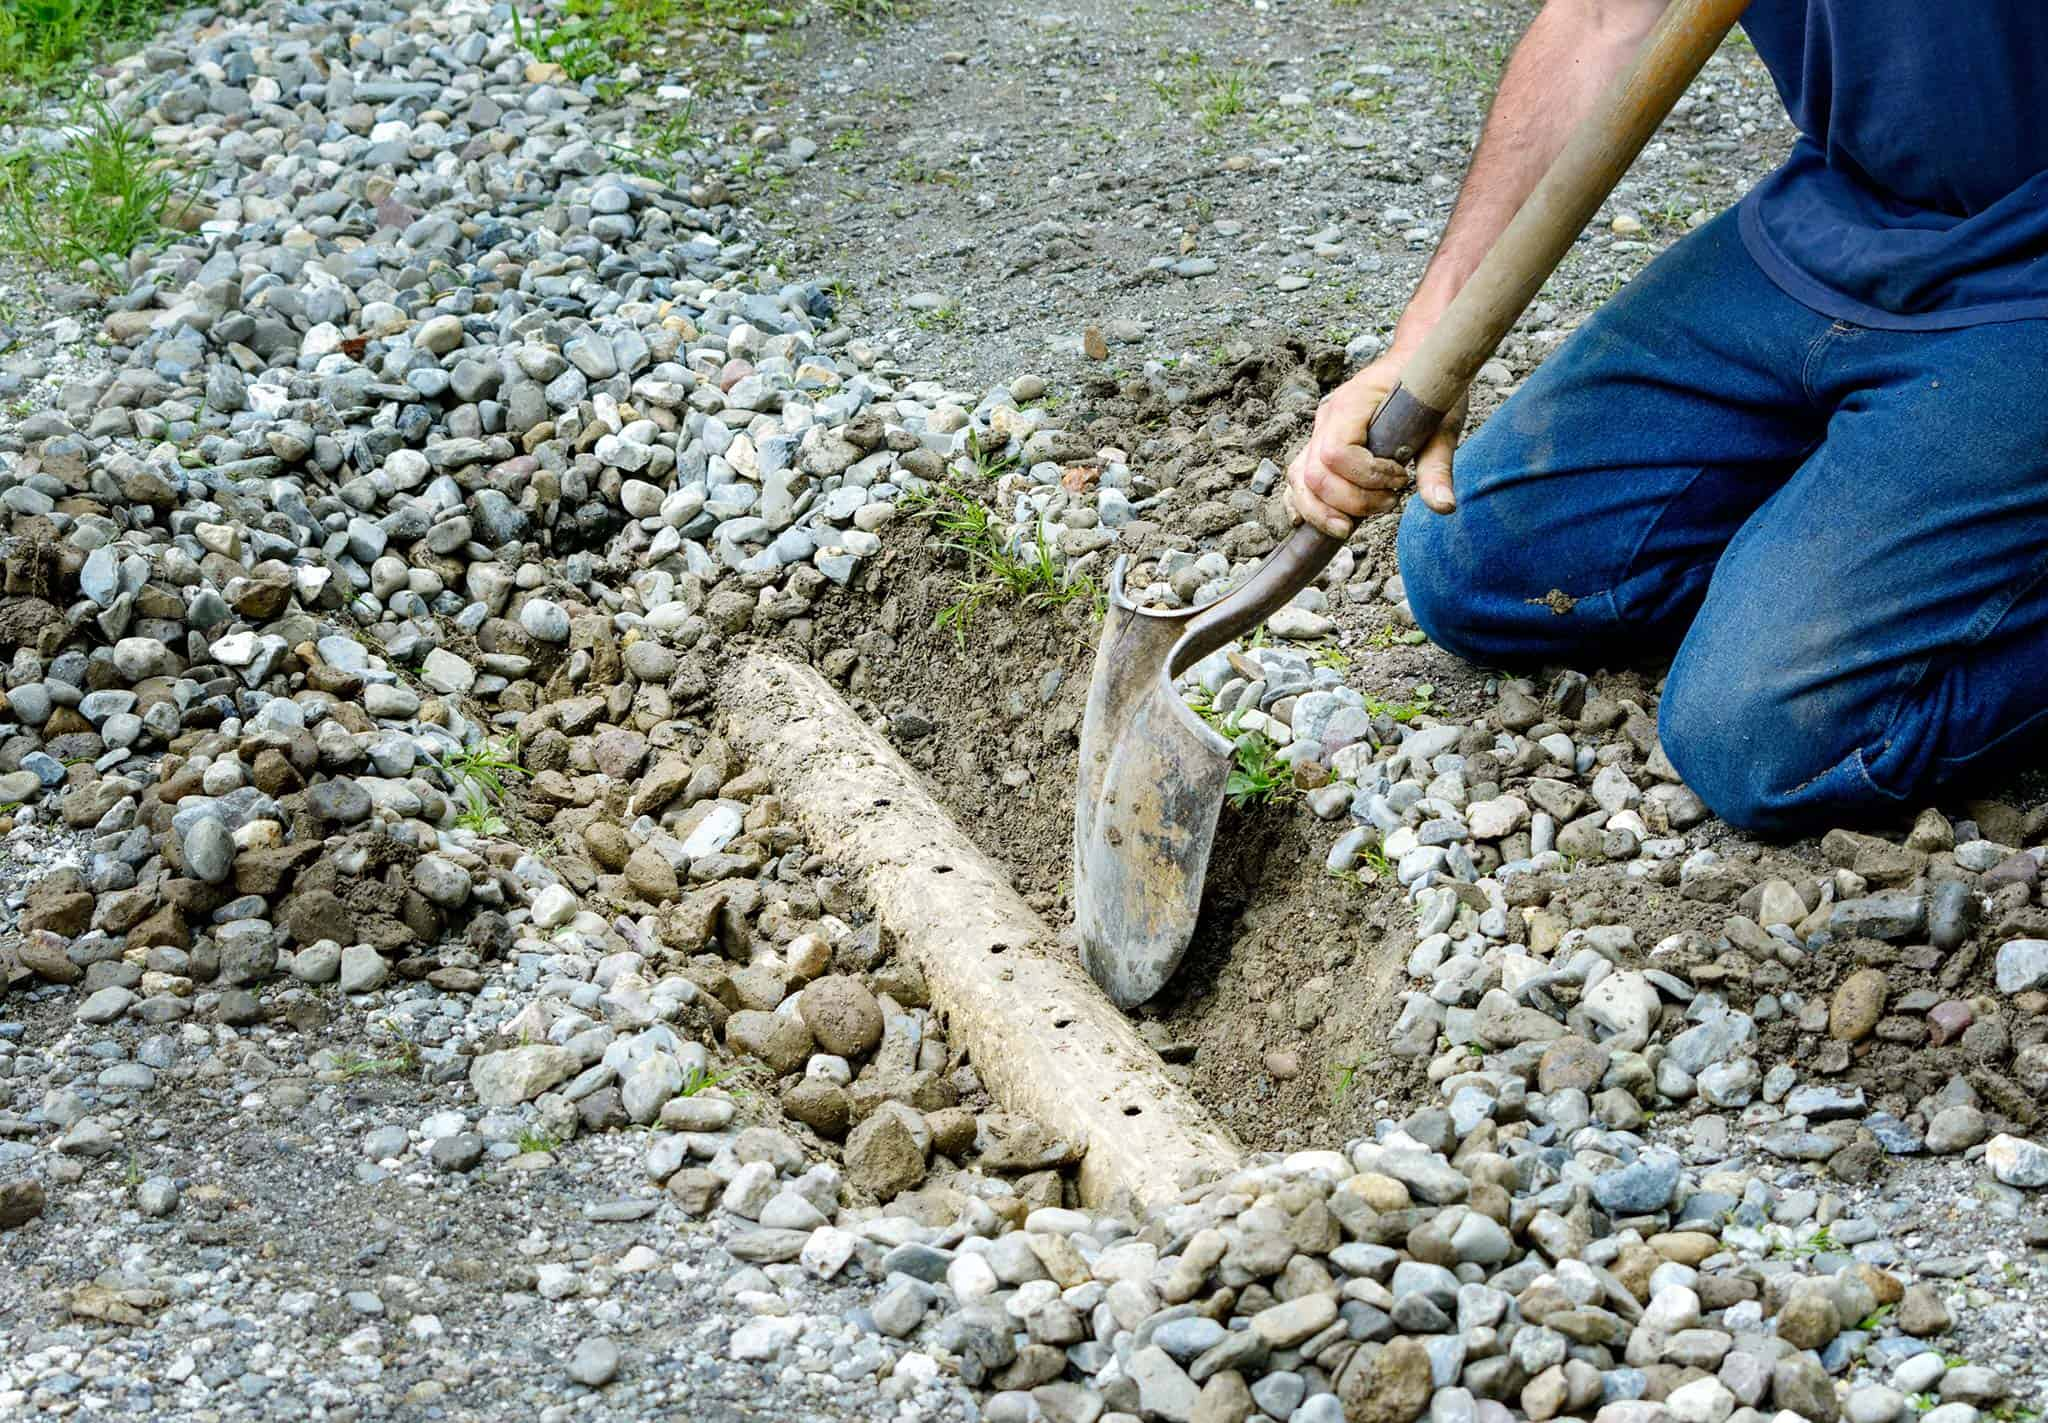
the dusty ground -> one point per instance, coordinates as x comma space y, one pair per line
1029, 167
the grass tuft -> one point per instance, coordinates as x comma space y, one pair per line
90, 201
996, 572
43, 41
1258, 775
477, 774
592, 39
698, 1080
404, 1062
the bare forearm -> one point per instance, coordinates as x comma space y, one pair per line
1570, 54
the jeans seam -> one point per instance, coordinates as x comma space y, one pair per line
2027, 728
1818, 348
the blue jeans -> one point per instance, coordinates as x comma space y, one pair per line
1841, 533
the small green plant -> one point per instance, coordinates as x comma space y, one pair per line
1331, 656
532, 1140
1224, 100
476, 775
1821, 1242
2010, 1271
1877, 1318
1422, 699
867, 14
593, 38
659, 150
918, 173
134, 1176
90, 201
403, 1062
698, 1080
995, 571
989, 463
1259, 776
939, 318
1372, 867
1387, 635
1344, 1077
42, 41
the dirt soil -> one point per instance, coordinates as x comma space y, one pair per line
994, 180
1279, 1012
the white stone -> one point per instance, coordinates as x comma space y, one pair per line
553, 907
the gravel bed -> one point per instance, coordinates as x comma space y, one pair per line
414, 1006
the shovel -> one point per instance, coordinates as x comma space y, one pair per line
1152, 772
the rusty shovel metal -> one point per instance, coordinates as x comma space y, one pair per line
1152, 772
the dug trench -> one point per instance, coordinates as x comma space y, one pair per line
1282, 1018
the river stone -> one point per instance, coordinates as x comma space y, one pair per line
1857, 1005
595, 1362
1808, 1320
1392, 1386
842, 1015
519, 1074
363, 970
209, 851
2017, 1162
883, 1158
1643, 1186
2022, 966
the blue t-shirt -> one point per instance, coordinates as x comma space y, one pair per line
1916, 197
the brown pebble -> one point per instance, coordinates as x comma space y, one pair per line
20, 1203
1921, 1312
1857, 1005
1687, 1247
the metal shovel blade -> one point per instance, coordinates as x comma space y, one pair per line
1153, 773
1151, 787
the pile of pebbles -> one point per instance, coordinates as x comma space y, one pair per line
357, 606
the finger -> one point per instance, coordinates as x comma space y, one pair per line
1365, 469
1302, 507
1291, 490
1433, 476
1334, 491
1315, 511
1319, 510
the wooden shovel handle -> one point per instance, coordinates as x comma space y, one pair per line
1493, 297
